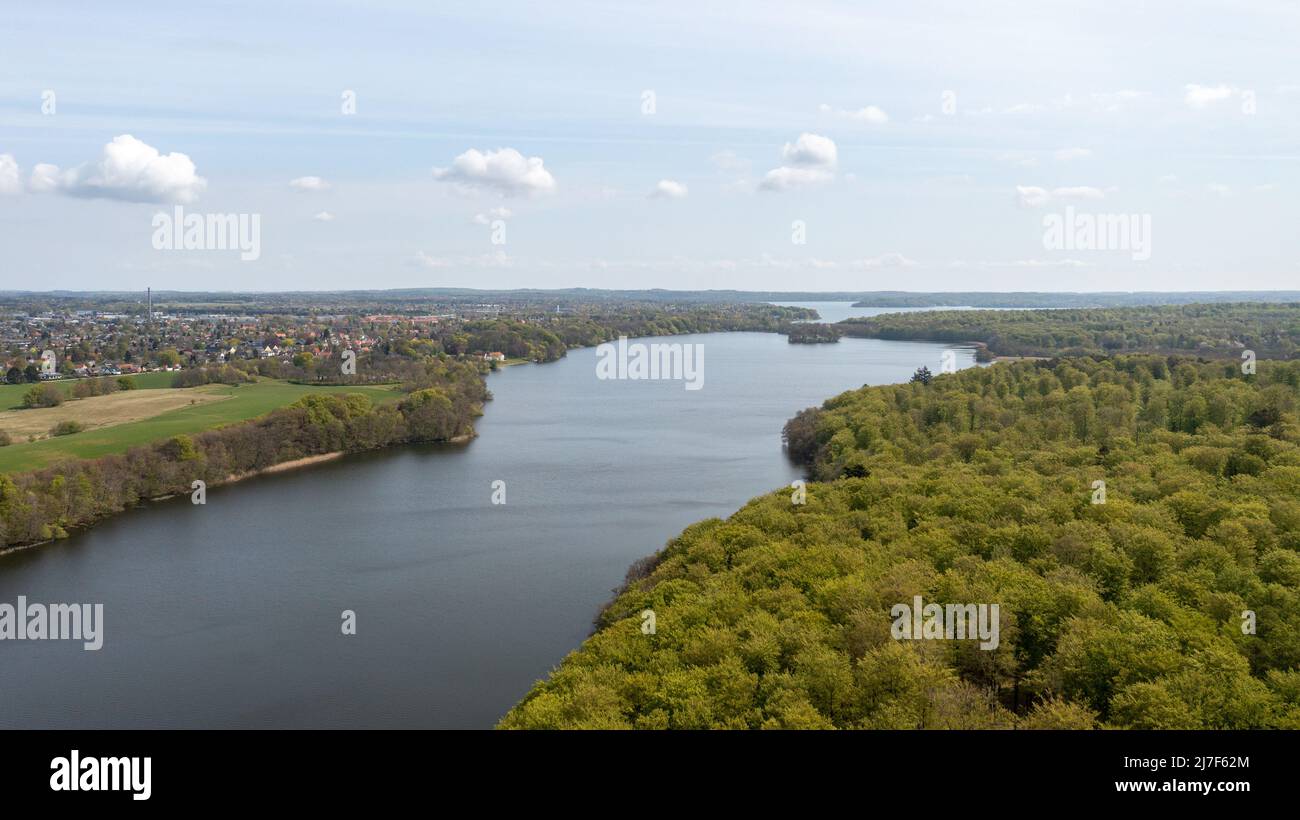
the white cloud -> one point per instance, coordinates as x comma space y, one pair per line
309, 184
1219, 189
44, 178
491, 214
1067, 154
324, 216
811, 150
505, 171
127, 170
1031, 196
809, 160
869, 114
785, 178
10, 181
1200, 96
669, 189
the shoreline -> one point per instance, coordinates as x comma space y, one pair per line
307, 461
280, 467
283, 466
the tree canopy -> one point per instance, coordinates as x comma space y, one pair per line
1269, 330
1173, 603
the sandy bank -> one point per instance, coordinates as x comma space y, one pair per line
284, 466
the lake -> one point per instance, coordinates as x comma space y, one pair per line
832, 312
228, 615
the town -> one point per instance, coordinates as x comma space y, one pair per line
96, 335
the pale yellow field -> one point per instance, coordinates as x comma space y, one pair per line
102, 411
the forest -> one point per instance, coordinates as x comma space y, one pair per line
1269, 330
548, 340
1059, 299
1136, 519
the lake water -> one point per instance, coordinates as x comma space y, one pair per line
227, 615
839, 311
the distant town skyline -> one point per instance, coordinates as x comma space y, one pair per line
749, 146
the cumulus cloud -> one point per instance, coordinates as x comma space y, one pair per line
324, 216
129, 170
505, 171
808, 160
870, 114
1032, 196
1201, 96
10, 179
811, 150
308, 184
669, 189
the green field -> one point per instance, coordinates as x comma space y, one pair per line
246, 401
11, 395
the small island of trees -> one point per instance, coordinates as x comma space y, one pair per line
812, 333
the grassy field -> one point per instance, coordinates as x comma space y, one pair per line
103, 411
11, 395
241, 402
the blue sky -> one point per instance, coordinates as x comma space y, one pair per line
913, 145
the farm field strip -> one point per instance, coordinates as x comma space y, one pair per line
237, 403
97, 412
